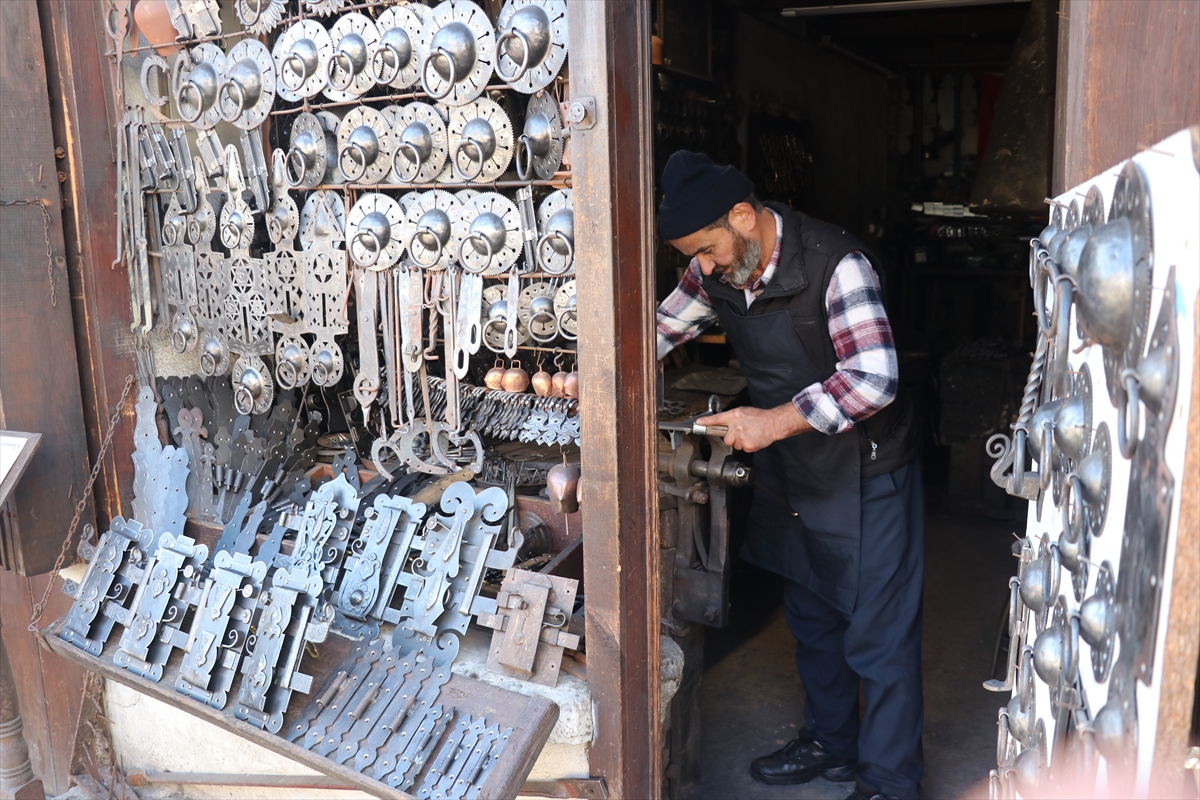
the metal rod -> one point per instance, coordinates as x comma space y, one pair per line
555, 183
384, 98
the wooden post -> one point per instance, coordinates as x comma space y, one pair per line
613, 194
17, 781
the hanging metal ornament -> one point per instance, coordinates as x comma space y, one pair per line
282, 218
566, 311
237, 224
354, 38
301, 55
459, 60
535, 310
555, 249
260, 16
283, 268
198, 86
396, 59
540, 145
428, 232
246, 95
495, 319
419, 140
373, 229
212, 282
309, 150
488, 229
151, 82
329, 226
254, 389
179, 278
323, 8
480, 141
532, 43
365, 143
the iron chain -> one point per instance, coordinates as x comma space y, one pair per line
40, 608
41, 206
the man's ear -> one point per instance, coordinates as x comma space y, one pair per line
743, 218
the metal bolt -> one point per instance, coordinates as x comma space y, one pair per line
578, 112
60, 153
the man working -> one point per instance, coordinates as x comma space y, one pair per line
838, 509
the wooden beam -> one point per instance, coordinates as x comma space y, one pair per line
612, 185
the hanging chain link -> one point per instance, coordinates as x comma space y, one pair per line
40, 608
41, 206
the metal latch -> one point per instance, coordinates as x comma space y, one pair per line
582, 113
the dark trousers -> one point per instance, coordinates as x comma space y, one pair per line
878, 644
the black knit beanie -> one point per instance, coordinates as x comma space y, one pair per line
697, 192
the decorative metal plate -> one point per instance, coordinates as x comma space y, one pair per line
488, 228
201, 82
459, 58
237, 225
495, 310
532, 43
349, 75
365, 144
566, 309
373, 231
401, 34
301, 58
540, 145
428, 231
260, 16
308, 155
535, 310
419, 143
323, 217
248, 92
253, 385
555, 249
480, 140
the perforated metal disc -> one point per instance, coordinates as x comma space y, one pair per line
237, 225
539, 19
309, 218
528, 293
411, 21
411, 124
493, 335
506, 211
283, 209
1093, 207
1131, 199
378, 169
305, 126
564, 301
314, 32
258, 369
325, 363
260, 16
550, 259
393, 248
256, 52
206, 51
474, 123
422, 204
362, 81
543, 129
293, 350
482, 52
323, 8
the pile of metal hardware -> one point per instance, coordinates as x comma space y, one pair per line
1100, 418
362, 199
299, 554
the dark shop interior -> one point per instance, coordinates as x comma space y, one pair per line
927, 133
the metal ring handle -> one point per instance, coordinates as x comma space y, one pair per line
1018, 474
539, 339
208, 364
523, 67
295, 167
412, 253
469, 142
170, 234
285, 371
189, 86
425, 62
1128, 413
226, 89
1044, 469
178, 341
1045, 283
225, 237
274, 227
377, 59
154, 62
243, 401
1073, 524
523, 146
416, 161
487, 262
258, 9
283, 73
492, 323
1050, 579
562, 329
375, 251
320, 375
331, 70
361, 161
569, 259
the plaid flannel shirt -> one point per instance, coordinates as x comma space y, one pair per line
867, 375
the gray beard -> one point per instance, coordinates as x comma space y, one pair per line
747, 253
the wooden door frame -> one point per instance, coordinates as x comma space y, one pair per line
613, 185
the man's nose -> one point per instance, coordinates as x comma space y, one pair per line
706, 265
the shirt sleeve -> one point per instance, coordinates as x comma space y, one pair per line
685, 313
867, 375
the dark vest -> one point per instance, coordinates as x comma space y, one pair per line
805, 523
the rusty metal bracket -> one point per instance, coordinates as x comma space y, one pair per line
530, 626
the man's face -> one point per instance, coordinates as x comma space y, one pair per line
723, 250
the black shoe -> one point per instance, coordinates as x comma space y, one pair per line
865, 791
801, 760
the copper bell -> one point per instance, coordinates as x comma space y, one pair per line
559, 379
571, 385
516, 380
562, 485
494, 379
543, 384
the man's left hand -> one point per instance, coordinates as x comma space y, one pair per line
753, 429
